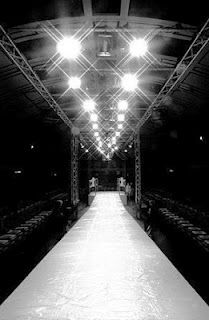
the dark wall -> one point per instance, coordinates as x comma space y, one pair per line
175, 158
34, 160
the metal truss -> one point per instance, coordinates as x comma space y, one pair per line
74, 170
185, 64
9, 47
137, 169
200, 41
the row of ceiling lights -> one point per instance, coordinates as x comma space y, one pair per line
70, 48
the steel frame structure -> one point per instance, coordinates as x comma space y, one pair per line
183, 67
137, 169
9, 47
74, 170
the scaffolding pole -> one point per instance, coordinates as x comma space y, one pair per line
74, 172
137, 172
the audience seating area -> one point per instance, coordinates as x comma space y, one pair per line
180, 217
15, 229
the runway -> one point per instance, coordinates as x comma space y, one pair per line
105, 268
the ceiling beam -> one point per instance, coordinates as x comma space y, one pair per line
124, 9
11, 50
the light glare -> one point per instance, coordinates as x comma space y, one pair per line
69, 48
121, 117
74, 83
89, 105
95, 126
138, 47
122, 105
129, 82
93, 117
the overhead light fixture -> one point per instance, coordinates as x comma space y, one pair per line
89, 105
74, 82
96, 134
138, 47
121, 117
113, 140
109, 145
93, 117
86, 150
122, 105
125, 150
120, 126
100, 144
95, 126
69, 48
116, 147
129, 82
117, 133
98, 138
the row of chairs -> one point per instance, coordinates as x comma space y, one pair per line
197, 217
16, 236
193, 232
34, 219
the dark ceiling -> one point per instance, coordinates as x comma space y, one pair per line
170, 28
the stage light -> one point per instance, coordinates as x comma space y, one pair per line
93, 117
74, 82
122, 105
96, 134
98, 138
121, 117
138, 47
116, 147
113, 140
100, 144
89, 105
69, 48
120, 126
129, 82
95, 126
117, 133
86, 150
125, 150
109, 145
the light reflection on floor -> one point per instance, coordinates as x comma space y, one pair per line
107, 268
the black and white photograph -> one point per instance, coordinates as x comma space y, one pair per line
104, 160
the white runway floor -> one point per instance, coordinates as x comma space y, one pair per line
105, 268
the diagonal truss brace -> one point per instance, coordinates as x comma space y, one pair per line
200, 41
137, 169
9, 47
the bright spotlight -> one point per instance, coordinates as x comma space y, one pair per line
89, 105
96, 134
114, 140
93, 117
74, 83
95, 126
129, 82
116, 147
117, 133
109, 145
122, 105
138, 47
97, 138
120, 126
69, 48
100, 144
121, 117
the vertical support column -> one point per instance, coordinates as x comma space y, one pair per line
74, 171
137, 173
